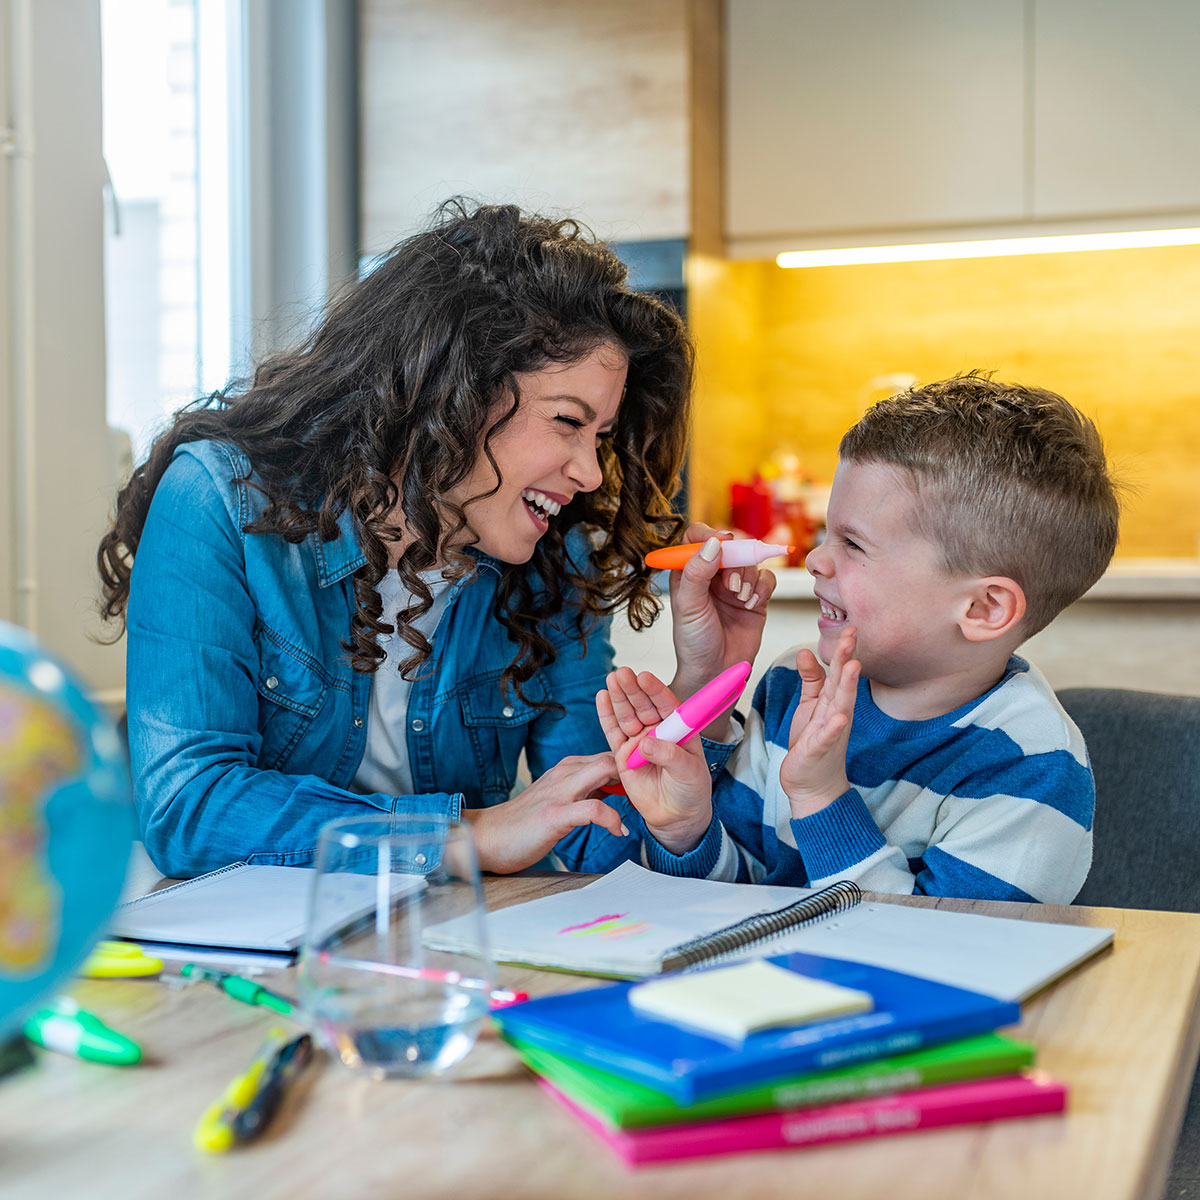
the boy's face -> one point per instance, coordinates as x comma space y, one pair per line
873, 571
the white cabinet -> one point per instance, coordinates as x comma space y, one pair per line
932, 119
872, 114
1116, 112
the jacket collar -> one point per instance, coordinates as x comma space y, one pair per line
341, 557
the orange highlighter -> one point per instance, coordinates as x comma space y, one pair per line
737, 552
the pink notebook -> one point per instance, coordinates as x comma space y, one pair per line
952, 1104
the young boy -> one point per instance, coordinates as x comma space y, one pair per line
965, 515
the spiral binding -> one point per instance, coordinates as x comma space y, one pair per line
722, 942
182, 883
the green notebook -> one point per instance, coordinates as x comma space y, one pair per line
622, 1104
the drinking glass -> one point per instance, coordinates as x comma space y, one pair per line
378, 994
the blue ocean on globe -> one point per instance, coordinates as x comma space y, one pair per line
66, 824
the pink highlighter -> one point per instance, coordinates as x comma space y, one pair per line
693, 714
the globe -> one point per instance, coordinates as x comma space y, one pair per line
66, 824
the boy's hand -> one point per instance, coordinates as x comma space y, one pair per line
813, 773
516, 834
673, 792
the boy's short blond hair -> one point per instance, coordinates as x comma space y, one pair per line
1008, 480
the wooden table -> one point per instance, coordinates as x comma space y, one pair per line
1123, 1032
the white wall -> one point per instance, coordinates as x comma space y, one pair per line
55, 482
8, 455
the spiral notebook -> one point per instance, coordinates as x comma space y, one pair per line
633, 923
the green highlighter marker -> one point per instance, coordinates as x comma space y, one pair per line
64, 1026
245, 990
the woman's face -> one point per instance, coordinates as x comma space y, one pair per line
546, 454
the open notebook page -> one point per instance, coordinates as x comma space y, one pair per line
1000, 956
623, 924
249, 907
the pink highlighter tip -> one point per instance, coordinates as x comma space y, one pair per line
695, 713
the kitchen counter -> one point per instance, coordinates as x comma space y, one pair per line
1125, 579
1152, 644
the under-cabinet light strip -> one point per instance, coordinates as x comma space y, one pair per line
990, 248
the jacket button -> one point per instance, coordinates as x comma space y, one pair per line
358, 722
418, 725
272, 682
507, 710
419, 859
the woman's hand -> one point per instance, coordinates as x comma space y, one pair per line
673, 792
717, 617
813, 772
521, 831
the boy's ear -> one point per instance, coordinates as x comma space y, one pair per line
995, 607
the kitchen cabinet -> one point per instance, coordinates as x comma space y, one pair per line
872, 115
941, 119
579, 109
1116, 113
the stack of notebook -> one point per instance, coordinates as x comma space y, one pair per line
892, 1024
658, 1085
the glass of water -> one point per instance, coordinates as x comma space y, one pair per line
383, 988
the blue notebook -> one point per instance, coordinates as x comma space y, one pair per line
600, 1027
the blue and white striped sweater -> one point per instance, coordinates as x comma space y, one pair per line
993, 800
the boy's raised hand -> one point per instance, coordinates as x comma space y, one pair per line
673, 792
813, 773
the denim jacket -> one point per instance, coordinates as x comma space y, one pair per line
247, 722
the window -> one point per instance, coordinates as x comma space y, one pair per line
174, 127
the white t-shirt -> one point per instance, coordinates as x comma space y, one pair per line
385, 766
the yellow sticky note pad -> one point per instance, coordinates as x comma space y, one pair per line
735, 1001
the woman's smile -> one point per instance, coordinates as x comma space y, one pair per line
541, 506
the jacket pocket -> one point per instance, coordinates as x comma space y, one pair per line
292, 689
498, 728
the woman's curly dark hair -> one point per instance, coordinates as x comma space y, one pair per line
399, 382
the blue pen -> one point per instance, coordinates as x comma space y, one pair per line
63, 1026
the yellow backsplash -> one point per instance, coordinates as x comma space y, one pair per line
786, 359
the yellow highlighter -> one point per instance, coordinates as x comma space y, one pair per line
119, 960
215, 1132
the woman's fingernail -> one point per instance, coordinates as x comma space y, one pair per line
624, 830
752, 601
735, 582
710, 549
744, 594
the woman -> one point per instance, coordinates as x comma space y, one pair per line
372, 578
